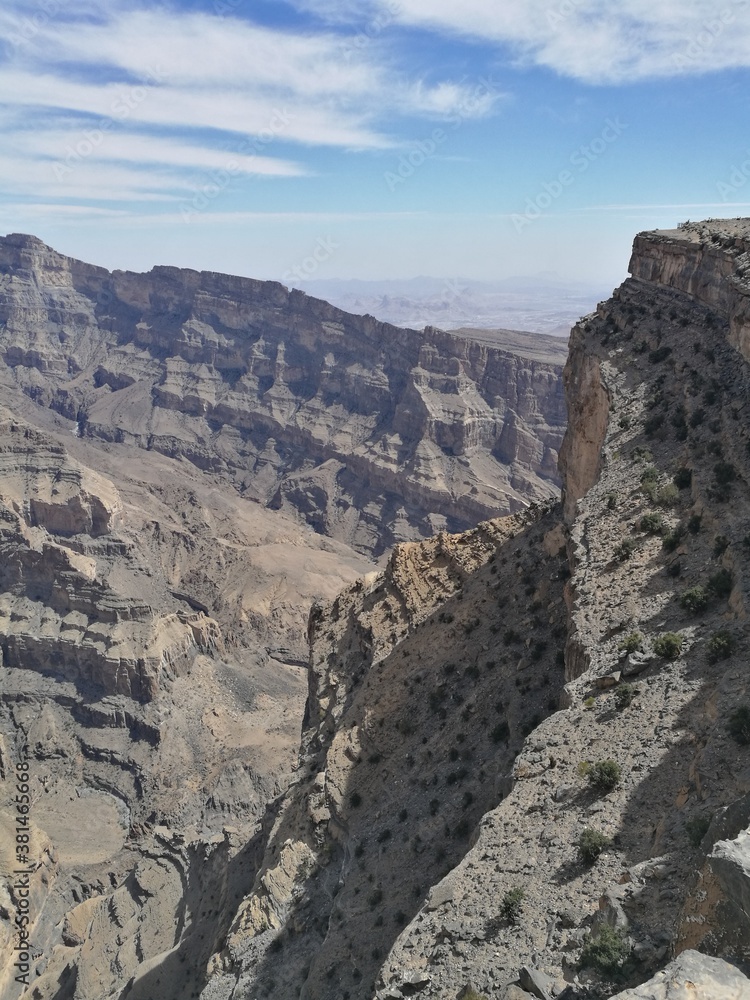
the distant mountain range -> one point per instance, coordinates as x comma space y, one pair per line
543, 303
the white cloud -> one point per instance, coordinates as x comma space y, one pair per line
595, 41
128, 103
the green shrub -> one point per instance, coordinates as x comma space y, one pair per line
355, 800
668, 645
511, 905
604, 775
470, 993
624, 550
694, 524
606, 953
632, 643
673, 538
719, 647
591, 843
624, 696
683, 478
668, 495
649, 475
739, 725
694, 600
697, 418
720, 584
697, 828
652, 524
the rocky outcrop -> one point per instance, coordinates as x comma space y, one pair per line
373, 434
655, 468
710, 262
693, 976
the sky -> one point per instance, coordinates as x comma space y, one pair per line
306, 139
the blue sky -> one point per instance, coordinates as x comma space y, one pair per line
348, 138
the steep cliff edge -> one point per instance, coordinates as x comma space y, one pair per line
588, 843
371, 433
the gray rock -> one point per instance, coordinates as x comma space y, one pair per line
536, 983
692, 976
730, 860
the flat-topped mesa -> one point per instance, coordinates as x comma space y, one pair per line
372, 433
709, 261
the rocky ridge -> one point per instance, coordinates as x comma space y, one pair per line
371, 433
633, 736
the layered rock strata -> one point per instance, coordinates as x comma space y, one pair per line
371, 433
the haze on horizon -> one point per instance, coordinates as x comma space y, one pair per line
306, 140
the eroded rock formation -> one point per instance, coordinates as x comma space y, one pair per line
373, 434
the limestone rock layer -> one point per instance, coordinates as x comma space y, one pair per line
372, 433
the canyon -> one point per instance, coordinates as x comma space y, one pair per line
349, 700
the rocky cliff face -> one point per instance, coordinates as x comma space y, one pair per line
588, 809
373, 434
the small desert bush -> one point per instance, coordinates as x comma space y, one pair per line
624, 696
673, 538
652, 524
591, 843
668, 645
624, 550
606, 953
719, 647
511, 905
668, 495
631, 643
604, 775
720, 584
694, 600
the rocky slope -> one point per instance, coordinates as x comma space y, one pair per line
477, 814
371, 433
151, 641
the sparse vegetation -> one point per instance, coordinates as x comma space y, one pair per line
512, 904
632, 643
673, 538
720, 584
652, 524
719, 647
606, 953
604, 775
694, 600
668, 645
591, 844
668, 495
624, 696
624, 550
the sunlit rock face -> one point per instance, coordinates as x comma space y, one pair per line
372, 433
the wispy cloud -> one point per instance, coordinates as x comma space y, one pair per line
130, 103
595, 41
